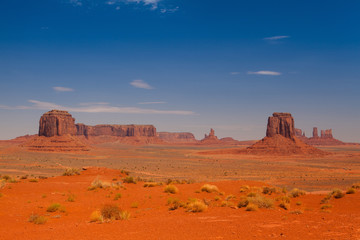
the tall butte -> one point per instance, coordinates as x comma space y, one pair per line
280, 138
57, 132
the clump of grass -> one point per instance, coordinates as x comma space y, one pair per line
174, 203
129, 179
196, 205
134, 205
1, 194
97, 183
6, 177
24, 177
113, 212
125, 172
251, 207
227, 204
326, 206
350, 191
296, 193
259, 200
337, 193
244, 188
268, 190
2, 184
71, 197
117, 196
55, 207
209, 188
356, 185
71, 172
151, 184
217, 198
252, 194
284, 205
229, 197
37, 219
124, 215
96, 216
171, 189
44, 196
33, 180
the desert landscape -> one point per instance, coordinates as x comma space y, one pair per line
73, 181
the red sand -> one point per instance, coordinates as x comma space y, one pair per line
153, 220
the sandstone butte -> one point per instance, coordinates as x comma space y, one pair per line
325, 139
178, 137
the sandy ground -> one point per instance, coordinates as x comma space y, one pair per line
151, 218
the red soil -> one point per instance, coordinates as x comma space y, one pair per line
153, 220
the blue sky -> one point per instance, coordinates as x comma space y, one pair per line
181, 65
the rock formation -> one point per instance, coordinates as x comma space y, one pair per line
326, 138
211, 138
326, 133
282, 124
178, 137
315, 132
116, 130
56, 123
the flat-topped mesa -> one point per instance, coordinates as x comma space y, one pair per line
56, 123
282, 124
116, 130
177, 137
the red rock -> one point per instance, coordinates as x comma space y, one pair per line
56, 123
281, 124
315, 132
117, 130
178, 137
211, 138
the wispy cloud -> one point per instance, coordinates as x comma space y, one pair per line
140, 84
270, 73
151, 102
95, 108
63, 89
76, 2
234, 73
274, 38
169, 10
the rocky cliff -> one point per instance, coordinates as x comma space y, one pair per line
281, 124
56, 123
177, 137
116, 130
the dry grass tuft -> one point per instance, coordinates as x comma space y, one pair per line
337, 193
56, 207
269, 190
111, 212
152, 184
259, 200
326, 206
297, 212
129, 179
71, 197
117, 196
196, 205
251, 207
351, 191
356, 185
244, 188
174, 203
96, 216
37, 219
33, 180
296, 193
171, 189
284, 205
71, 172
209, 188
97, 183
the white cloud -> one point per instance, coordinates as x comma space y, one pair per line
95, 108
274, 38
270, 73
169, 10
140, 84
235, 73
152, 103
63, 89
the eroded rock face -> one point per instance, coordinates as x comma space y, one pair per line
281, 124
177, 137
116, 130
326, 133
315, 132
56, 123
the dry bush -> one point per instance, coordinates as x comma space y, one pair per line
251, 207
244, 188
217, 198
227, 204
56, 207
209, 188
196, 205
124, 215
125, 172
24, 177
296, 193
171, 189
6, 177
33, 180
356, 185
97, 183
134, 205
326, 206
174, 203
2, 184
284, 205
96, 216
350, 191
269, 190
71, 172
259, 200
229, 197
37, 219
152, 184
71, 197
298, 203
113, 212
337, 193
117, 196
129, 179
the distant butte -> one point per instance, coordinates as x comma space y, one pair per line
325, 139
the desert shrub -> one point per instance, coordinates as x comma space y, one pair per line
174, 203
350, 191
251, 207
326, 199
96, 216
37, 219
125, 172
209, 188
285, 199
243, 202
42, 177
217, 198
117, 196
284, 205
129, 179
296, 193
229, 197
297, 211
268, 190
2, 184
356, 185
337, 193
33, 180
171, 189
326, 206
258, 200
227, 204
244, 188
196, 206
110, 212
124, 215
55, 207
6, 177
97, 183
12, 180
134, 205
71, 172
24, 177
71, 197
298, 203
151, 184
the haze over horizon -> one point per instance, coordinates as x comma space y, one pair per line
181, 65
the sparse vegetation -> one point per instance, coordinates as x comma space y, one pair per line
2, 184
227, 204
326, 206
24, 177
297, 211
71, 172
129, 179
33, 180
259, 200
244, 188
96, 216
71, 197
337, 193
217, 198
6, 177
97, 183
152, 184
196, 205
55, 207
134, 205
112, 212
356, 185
209, 188
284, 205
125, 172
117, 196
350, 191
296, 193
269, 190
37, 219
174, 203
171, 189
251, 207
